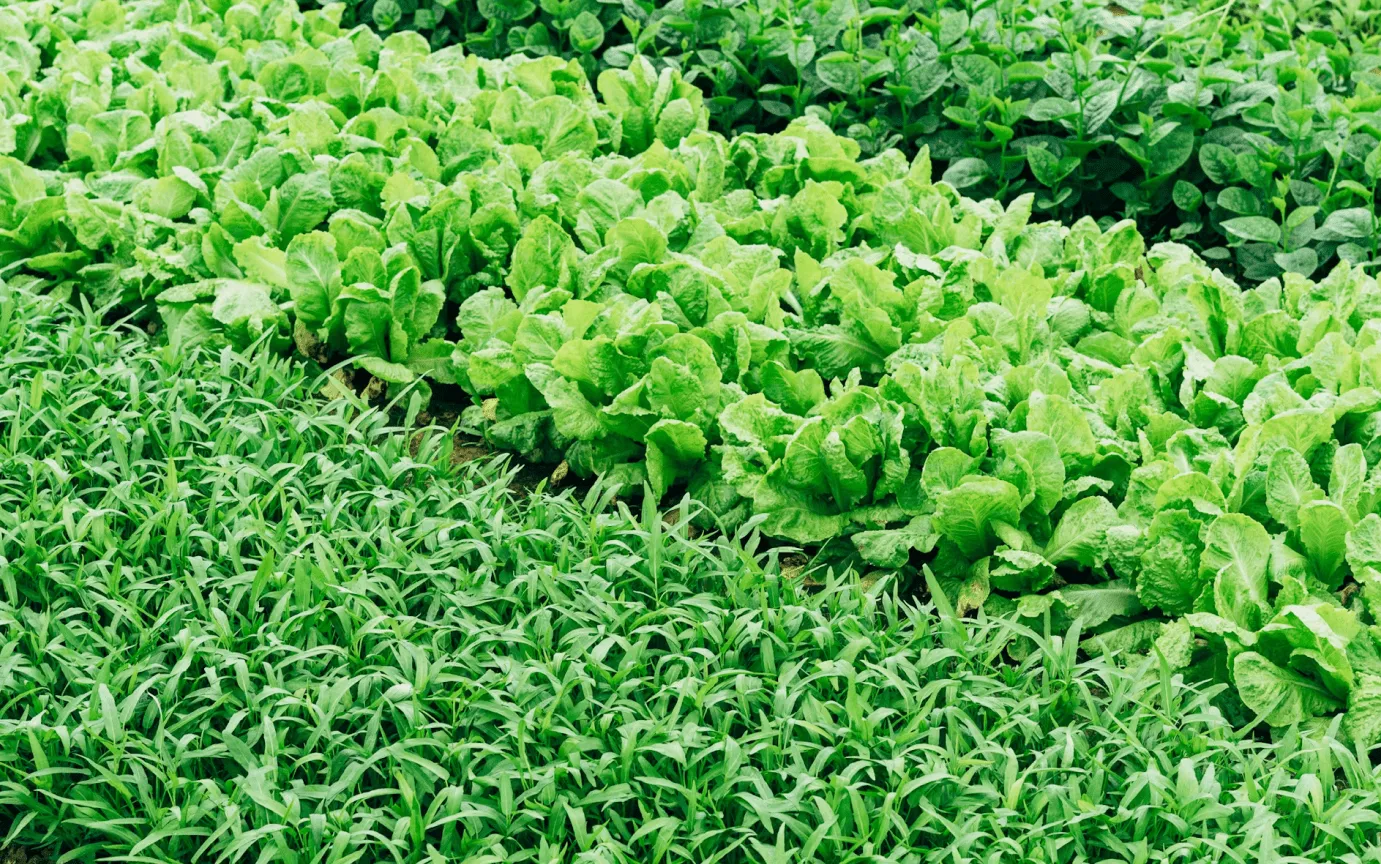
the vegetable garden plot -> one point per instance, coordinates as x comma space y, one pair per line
238, 621
1049, 417
1243, 129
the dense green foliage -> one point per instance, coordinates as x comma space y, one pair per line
242, 623
975, 350
1203, 122
1051, 417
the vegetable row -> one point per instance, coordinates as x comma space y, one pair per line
1052, 419
1245, 130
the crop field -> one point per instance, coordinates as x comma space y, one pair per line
728, 431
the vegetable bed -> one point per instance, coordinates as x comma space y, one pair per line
242, 622
1041, 418
1246, 130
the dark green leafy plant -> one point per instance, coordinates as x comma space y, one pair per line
1241, 130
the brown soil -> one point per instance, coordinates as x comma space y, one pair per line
794, 565
375, 389
16, 855
463, 453
309, 344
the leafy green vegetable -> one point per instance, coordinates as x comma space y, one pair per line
811, 342
306, 622
1245, 132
